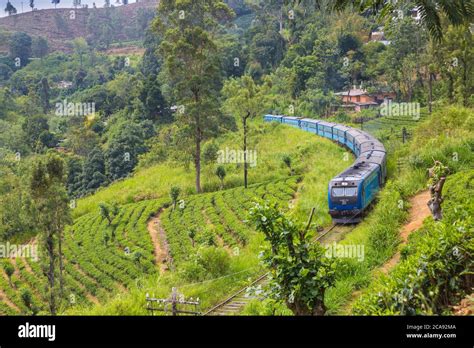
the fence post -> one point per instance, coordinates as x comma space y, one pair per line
174, 299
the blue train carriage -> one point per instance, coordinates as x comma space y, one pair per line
379, 158
309, 125
292, 121
273, 118
351, 135
360, 139
325, 129
339, 134
351, 192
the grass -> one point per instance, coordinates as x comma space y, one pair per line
310, 154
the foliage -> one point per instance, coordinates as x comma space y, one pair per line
20, 47
300, 271
221, 173
174, 195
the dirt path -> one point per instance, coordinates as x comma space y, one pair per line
158, 236
419, 211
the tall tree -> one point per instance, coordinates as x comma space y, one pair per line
10, 9
32, 4
48, 192
245, 100
55, 2
191, 65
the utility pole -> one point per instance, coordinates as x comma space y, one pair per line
173, 305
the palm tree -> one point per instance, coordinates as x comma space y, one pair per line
457, 12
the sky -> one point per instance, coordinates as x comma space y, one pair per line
43, 4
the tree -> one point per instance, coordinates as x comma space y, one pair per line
124, 148
80, 48
10, 9
454, 61
55, 2
457, 12
191, 66
44, 93
244, 99
52, 214
74, 176
94, 171
300, 271
32, 4
174, 195
36, 130
267, 46
40, 47
20, 48
220, 172
155, 106
15, 203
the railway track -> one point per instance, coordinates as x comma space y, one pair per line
234, 304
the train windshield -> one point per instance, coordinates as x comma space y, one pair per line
344, 192
338, 192
350, 191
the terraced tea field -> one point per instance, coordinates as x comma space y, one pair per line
102, 259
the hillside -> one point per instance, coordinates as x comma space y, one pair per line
219, 220
275, 151
64, 25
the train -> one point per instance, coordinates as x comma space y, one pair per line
351, 192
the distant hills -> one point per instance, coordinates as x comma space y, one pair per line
60, 26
